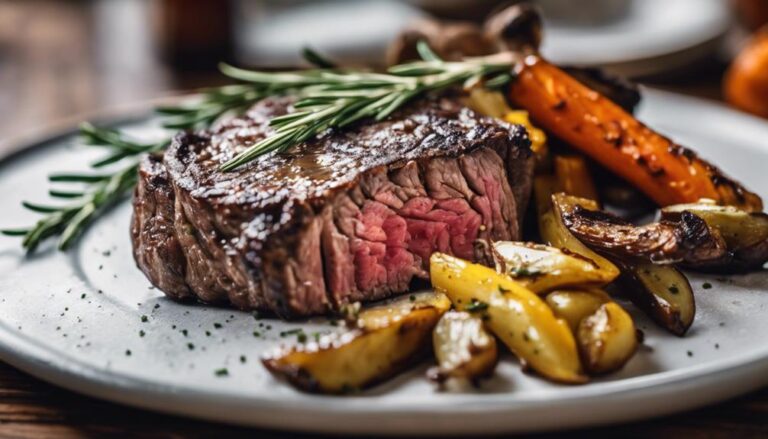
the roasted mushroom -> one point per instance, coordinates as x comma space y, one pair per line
745, 233
688, 240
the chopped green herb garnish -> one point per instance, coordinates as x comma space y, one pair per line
290, 332
144, 319
221, 372
673, 289
523, 272
128, 352
142, 333
185, 332
706, 285
217, 325
190, 346
243, 359
412, 298
476, 306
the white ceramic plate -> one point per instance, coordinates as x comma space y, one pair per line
70, 318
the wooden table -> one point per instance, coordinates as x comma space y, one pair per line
59, 62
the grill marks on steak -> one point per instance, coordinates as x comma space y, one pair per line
351, 216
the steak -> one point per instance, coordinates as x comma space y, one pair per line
350, 216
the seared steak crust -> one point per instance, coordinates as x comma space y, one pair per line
351, 216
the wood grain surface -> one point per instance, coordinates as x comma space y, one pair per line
63, 60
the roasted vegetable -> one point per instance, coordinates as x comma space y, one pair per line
662, 292
605, 333
537, 136
554, 232
492, 103
386, 339
573, 176
592, 124
745, 233
739, 228
541, 268
463, 348
688, 240
516, 315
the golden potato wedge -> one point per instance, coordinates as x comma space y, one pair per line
463, 348
388, 339
604, 331
554, 232
515, 314
541, 268
607, 339
573, 306
662, 292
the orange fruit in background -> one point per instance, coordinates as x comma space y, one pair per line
745, 84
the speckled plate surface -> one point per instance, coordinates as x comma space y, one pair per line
76, 319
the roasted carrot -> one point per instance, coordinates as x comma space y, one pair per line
573, 176
668, 173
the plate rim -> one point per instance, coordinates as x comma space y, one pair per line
729, 375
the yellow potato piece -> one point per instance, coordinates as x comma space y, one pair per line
516, 315
662, 292
607, 339
604, 331
541, 268
389, 338
463, 348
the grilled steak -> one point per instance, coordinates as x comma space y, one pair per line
352, 216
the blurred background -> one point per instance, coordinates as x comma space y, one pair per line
64, 61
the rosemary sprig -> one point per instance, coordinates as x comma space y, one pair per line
102, 190
335, 99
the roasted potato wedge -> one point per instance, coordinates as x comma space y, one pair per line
388, 338
573, 306
463, 348
554, 232
662, 292
607, 339
515, 314
541, 268
604, 331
